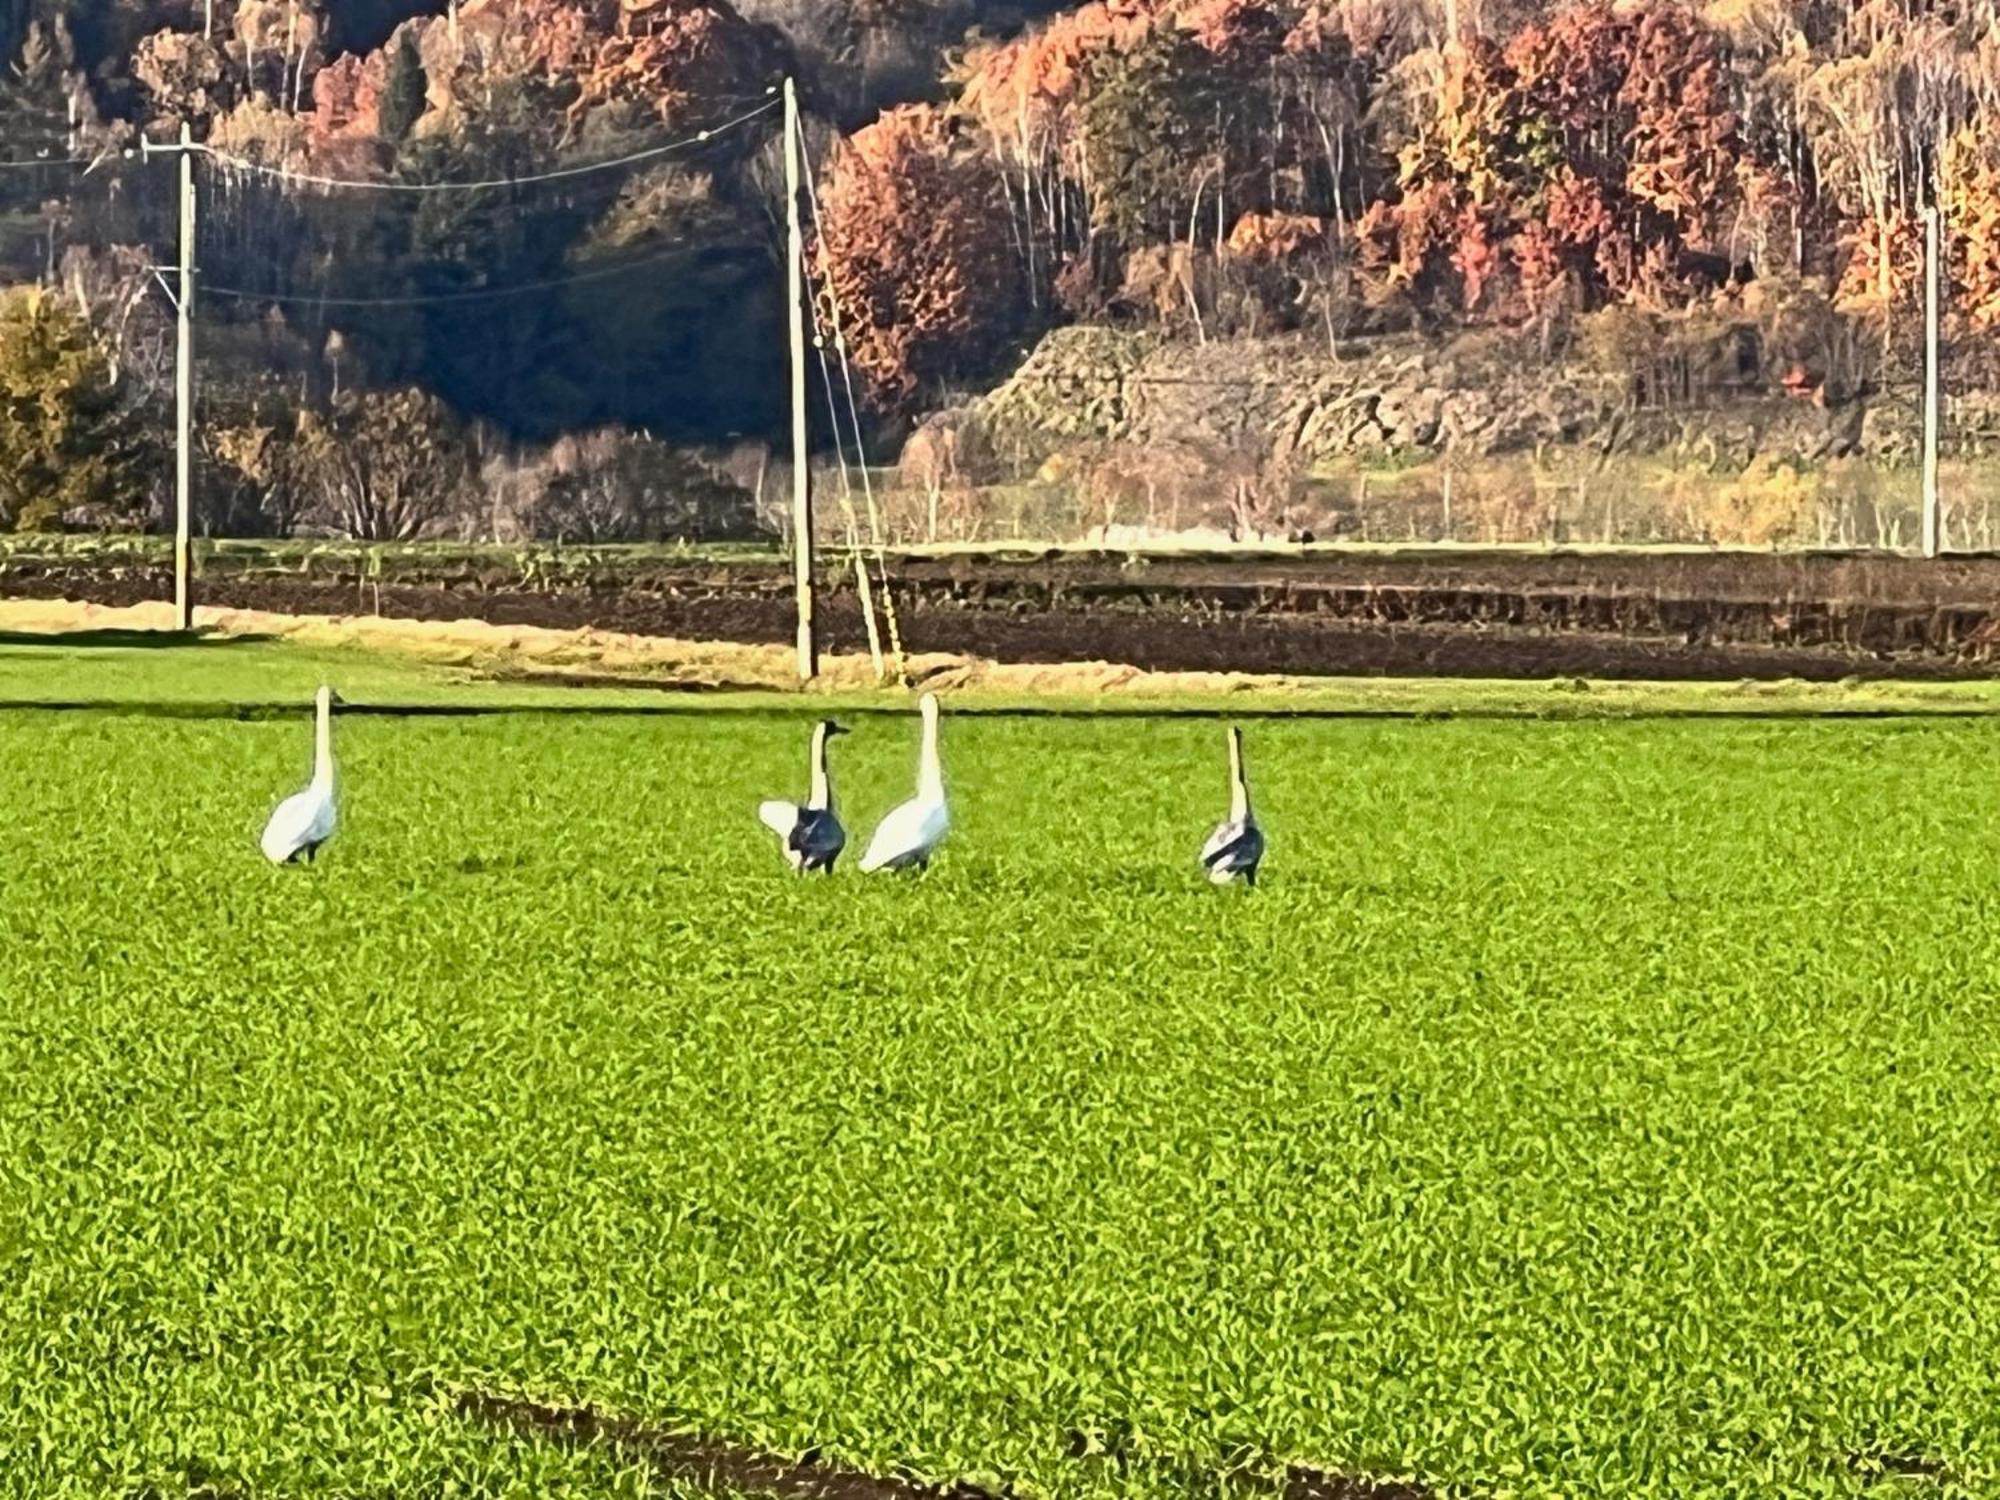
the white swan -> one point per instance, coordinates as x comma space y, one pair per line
1236, 847
910, 834
305, 821
810, 834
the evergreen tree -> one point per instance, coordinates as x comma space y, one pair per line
69, 439
405, 93
35, 94
35, 125
14, 18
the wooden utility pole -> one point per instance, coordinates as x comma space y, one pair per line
184, 398
183, 296
802, 524
1933, 513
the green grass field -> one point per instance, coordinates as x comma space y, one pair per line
1580, 1109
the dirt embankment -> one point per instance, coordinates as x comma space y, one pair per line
1688, 615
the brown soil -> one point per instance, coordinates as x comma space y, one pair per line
728, 1469
1897, 1465
1673, 616
723, 1468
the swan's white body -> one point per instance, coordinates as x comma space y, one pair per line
809, 833
1236, 847
304, 822
910, 834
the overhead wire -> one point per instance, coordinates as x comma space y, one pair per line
560, 174
853, 526
854, 417
472, 294
233, 163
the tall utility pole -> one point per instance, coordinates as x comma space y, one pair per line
183, 297
184, 398
802, 527
1933, 513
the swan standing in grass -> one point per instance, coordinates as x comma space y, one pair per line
810, 835
910, 834
1236, 847
305, 821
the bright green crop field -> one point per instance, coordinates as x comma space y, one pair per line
1580, 1109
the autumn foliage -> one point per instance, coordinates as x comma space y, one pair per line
657, 62
913, 271
1200, 167
1595, 156
1973, 207
1653, 154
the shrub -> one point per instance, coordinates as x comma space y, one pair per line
1768, 503
619, 486
386, 466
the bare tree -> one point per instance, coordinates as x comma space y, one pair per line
386, 466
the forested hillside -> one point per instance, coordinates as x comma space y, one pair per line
588, 342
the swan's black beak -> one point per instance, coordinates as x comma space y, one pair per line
833, 728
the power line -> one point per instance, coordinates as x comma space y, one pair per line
348, 184
854, 417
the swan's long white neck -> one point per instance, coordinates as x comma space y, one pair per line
930, 771
323, 745
821, 795
1239, 788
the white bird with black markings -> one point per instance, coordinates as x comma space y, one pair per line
809, 833
908, 837
305, 821
1236, 847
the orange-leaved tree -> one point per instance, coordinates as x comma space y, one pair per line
1972, 214
912, 253
1600, 151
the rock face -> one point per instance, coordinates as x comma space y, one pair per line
1293, 400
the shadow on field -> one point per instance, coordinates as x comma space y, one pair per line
123, 640
723, 1468
1878, 1465
727, 1469
1243, 1474
613, 680
672, 705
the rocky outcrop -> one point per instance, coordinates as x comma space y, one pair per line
1293, 399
